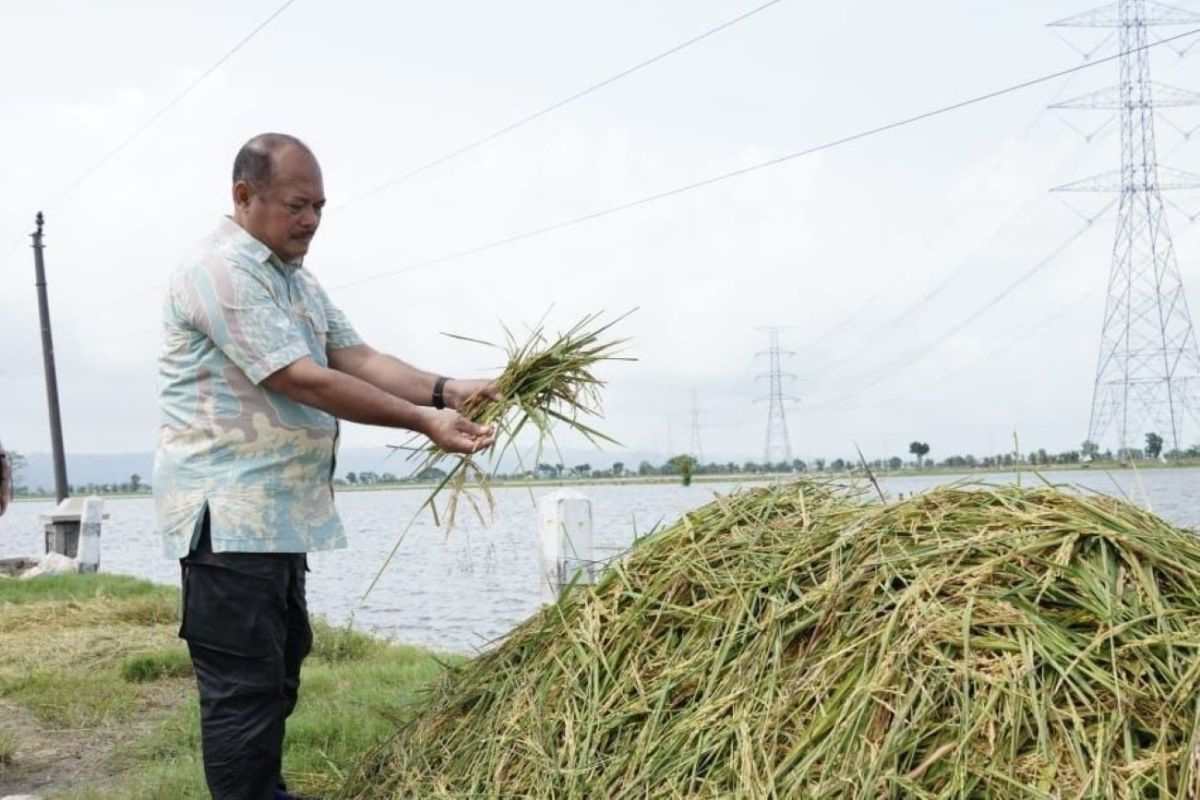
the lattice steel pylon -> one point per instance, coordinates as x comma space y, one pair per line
778, 447
1148, 370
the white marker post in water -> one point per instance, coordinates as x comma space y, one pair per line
565, 523
88, 556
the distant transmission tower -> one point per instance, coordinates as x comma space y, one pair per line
778, 446
694, 448
1148, 372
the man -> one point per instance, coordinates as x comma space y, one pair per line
257, 367
6, 479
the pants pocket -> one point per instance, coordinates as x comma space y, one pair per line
231, 611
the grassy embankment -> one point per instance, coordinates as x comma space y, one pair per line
97, 699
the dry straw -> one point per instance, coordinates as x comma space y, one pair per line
808, 641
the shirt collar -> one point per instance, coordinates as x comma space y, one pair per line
245, 241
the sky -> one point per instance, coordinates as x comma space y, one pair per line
842, 249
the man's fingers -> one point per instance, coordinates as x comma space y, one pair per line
473, 429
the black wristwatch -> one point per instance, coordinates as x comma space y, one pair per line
439, 397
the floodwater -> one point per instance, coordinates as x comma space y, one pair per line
458, 592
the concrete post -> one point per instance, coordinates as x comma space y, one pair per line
89, 535
565, 522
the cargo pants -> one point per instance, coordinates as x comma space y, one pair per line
245, 621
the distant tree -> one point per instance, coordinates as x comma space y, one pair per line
388, 477
920, 450
17, 464
581, 470
819, 463
895, 462
838, 465
798, 465
1090, 450
429, 474
646, 468
618, 468
352, 477
683, 465
135, 482
1154, 445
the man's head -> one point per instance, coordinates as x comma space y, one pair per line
278, 194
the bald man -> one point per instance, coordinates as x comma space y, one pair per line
257, 368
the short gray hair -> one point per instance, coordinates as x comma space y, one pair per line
253, 161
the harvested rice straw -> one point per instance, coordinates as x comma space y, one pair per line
808, 641
547, 382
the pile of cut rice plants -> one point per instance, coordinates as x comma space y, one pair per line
808, 641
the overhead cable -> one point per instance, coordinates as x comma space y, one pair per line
512, 126
725, 176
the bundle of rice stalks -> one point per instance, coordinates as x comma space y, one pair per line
546, 382
808, 642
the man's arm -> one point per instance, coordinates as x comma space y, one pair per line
347, 397
400, 378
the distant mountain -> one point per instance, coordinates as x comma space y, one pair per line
85, 468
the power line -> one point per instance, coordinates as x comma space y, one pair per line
972, 261
738, 172
725, 176
138, 131
512, 126
950, 223
1058, 314
157, 115
920, 353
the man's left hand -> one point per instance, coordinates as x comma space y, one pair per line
457, 391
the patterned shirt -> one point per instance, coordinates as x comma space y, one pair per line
262, 464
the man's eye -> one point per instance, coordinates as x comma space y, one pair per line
294, 208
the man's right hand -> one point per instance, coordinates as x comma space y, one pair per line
454, 433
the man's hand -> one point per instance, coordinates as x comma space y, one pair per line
458, 391
454, 433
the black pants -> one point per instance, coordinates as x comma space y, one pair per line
246, 625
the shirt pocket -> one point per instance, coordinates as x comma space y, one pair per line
315, 325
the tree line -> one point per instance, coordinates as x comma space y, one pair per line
686, 466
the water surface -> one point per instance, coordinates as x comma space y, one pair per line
462, 591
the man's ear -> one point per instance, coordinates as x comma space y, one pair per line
241, 194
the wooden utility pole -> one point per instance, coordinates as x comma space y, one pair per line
56, 439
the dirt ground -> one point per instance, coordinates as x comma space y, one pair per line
48, 761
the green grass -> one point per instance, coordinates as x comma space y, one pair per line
66, 588
157, 666
8, 749
95, 658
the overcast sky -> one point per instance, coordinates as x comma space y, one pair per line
838, 247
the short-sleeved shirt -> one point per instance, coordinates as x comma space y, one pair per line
260, 463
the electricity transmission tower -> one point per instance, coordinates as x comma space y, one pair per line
694, 448
778, 447
1148, 371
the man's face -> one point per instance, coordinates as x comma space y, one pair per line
285, 214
